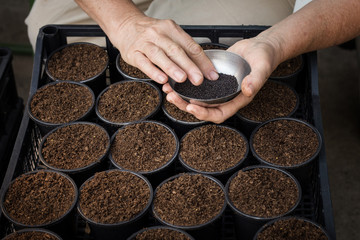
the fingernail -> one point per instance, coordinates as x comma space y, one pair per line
197, 78
214, 75
179, 76
250, 88
161, 79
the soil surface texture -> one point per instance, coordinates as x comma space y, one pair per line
212, 148
272, 101
189, 200
114, 197
143, 147
75, 146
294, 229
285, 142
61, 103
208, 46
263, 192
288, 67
78, 62
161, 234
128, 102
39, 198
31, 236
178, 114
131, 70
209, 89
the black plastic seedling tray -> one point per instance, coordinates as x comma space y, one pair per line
11, 109
316, 202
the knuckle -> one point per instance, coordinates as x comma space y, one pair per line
174, 50
195, 49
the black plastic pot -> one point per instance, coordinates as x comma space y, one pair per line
46, 127
79, 175
291, 79
121, 230
223, 176
15, 234
125, 75
284, 230
247, 125
133, 236
64, 226
114, 126
301, 171
158, 175
246, 225
207, 231
96, 83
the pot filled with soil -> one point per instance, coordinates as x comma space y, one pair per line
115, 203
179, 120
274, 100
211, 45
128, 71
60, 102
79, 62
296, 228
35, 234
214, 150
192, 202
288, 71
160, 233
127, 102
77, 149
148, 147
287, 143
41, 199
258, 194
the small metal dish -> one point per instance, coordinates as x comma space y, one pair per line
224, 62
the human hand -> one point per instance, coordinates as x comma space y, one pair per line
262, 55
161, 48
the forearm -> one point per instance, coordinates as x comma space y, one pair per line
110, 14
320, 24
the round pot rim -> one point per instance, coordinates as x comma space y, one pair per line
126, 76
193, 227
178, 121
80, 169
169, 162
73, 204
132, 237
216, 173
257, 217
310, 159
292, 74
43, 230
120, 124
69, 45
248, 120
135, 218
268, 224
43, 123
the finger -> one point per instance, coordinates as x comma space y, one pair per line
176, 100
167, 88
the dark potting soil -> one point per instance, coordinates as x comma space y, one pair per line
292, 228
131, 70
288, 67
33, 235
211, 46
143, 147
263, 192
113, 197
75, 146
209, 89
128, 102
285, 142
78, 62
178, 114
161, 234
188, 200
212, 148
39, 198
272, 101
61, 103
